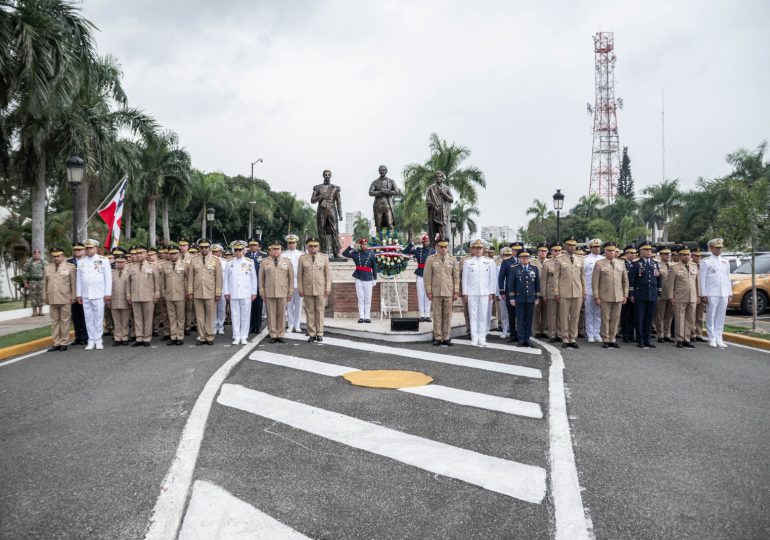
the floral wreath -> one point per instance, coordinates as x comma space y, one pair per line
387, 246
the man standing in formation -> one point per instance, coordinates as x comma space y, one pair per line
609, 285
59, 292
664, 311
592, 309
506, 253
627, 327
78, 315
314, 281
365, 276
240, 289
294, 307
645, 282
119, 306
276, 283
442, 286
34, 272
204, 287
503, 287
549, 287
715, 291
682, 290
143, 293
571, 283
256, 256
221, 308
174, 285
94, 287
480, 286
421, 255
523, 290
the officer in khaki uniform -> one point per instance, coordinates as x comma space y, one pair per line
682, 289
664, 311
119, 306
174, 290
549, 290
204, 287
571, 280
700, 308
186, 255
160, 316
442, 286
276, 286
609, 283
541, 320
143, 294
314, 283
59, 292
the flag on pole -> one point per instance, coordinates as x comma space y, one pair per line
112, 214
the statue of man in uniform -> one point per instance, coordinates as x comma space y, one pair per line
383, 189
329, 212
439, 200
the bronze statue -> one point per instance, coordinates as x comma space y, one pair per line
329, 212
439, 200
383, 189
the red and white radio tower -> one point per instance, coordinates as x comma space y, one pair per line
605, 157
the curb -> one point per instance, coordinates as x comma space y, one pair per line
749, 341
24, 348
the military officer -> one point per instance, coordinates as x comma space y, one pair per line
254, 254
541, 321
143, 294
593, 316
204, 287
185, 255
503, 288
34, 273
480, 285
365, 276
240, 289
94, 287
276, 284
609, 282
466, 317
664, 311
421, 255
314, 281
645, 282
119, 305
716, 291
523, 293
627, 324
174, 293
59, 291
571, 282
700, 307
294, 306
78, 316
442, 286
505, 254
549, 286
221, 308
682, 289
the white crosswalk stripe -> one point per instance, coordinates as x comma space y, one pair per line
500, 346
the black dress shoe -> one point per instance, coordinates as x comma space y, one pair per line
319, 339
679, 344
614, 345
360, 321
422, 319
171, 342
280, 340
311, 339
368, 321
436, 342
136, 344
55, 348
650, 346
660, 340
605, 345
146, 343
209, 343
640, 345
116, 343
448, 343
179, 342
199, 343
574, 345
668, 340
688, 345
565, 345
273, 340
428, 319
62, 348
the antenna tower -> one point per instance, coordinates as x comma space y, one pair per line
605, 155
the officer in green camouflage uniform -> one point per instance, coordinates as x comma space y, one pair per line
34, 272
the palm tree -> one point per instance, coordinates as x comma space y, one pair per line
588, 206
463, 213
209, 189
361, 228
663, 200
539, 211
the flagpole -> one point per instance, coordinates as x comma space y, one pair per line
108, 197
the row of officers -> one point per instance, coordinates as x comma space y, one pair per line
179, 288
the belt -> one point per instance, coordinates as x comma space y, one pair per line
420, 265
363, 268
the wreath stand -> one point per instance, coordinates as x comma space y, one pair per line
389, 308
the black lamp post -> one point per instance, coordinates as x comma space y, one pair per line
252, 203
453, 231
258, 232
210, 219
75, 169
558, 204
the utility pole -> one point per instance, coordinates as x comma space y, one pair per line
251, 198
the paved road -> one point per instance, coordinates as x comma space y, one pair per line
668, 443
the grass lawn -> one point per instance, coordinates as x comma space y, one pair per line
25, 336
7, 306
745, 332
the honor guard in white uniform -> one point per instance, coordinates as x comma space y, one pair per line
240, 289
593, 310
479, 282
294, 306
94, 287
715, 291
221, 313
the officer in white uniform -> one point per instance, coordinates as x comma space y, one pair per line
715, 291
479, 288
593, 312
94, 287
240, 288
221, 307
294, 306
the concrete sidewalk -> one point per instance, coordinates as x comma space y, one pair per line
763, 323
26, 323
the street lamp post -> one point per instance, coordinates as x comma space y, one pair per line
210, 219
558, 204
252, 203
453, 231
75, 168
258, 232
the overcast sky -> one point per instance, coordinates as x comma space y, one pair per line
348, 85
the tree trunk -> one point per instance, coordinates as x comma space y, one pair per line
127, 214
166, 233
81, 203
152, 218
38, 206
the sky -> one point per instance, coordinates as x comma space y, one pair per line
351, 84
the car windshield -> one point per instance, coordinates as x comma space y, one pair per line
762, 265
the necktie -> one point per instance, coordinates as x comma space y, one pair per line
275, 263
312, 258
571, 259
57, 268
204, 260
140, 266
612, 264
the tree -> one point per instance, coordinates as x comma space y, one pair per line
463, 214
208, 189
539, 211
662, 202
361, 228
588, 206
625, 180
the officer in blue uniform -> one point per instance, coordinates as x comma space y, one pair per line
523, 288
627, 326
646, 284
504, 287
365, 275
254, 253
421, 255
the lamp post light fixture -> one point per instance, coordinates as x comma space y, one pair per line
453, 231
558, 204
251, 187
210, 219
258, 232
75, 169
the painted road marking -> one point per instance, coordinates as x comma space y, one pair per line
435, 391
570, 516
524, 482
20, 358
500, 346
215, 514
429, 356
